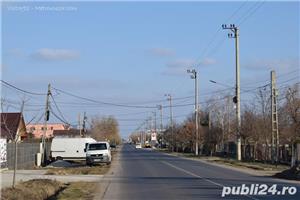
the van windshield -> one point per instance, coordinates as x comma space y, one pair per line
100, 146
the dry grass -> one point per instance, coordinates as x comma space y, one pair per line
37, 189
251, 165
78, 191
234, 163
96, 170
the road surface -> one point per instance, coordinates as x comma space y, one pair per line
147, 174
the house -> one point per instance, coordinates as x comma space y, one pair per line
37, 130
69, 133
11, 125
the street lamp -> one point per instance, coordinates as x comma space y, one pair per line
194, 76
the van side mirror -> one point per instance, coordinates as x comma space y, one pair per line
84, 149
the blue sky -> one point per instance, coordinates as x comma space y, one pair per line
133, 53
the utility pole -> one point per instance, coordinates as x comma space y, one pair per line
46, 119
79, 125
160, 108
155, 128
194, 76
237, 99
84, 124
171, 119
209, 131
274, 118
16, 149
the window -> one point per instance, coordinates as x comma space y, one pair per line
99, 146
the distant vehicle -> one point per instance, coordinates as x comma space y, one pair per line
147, 145
98, 152
69, 148
138, 146
113, 146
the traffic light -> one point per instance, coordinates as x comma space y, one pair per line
234, 99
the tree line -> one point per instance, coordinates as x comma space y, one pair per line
217, 130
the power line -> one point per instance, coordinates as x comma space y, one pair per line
251, 11
57, 108
19, 89
267, 80
214, 36
102, 102
57, 117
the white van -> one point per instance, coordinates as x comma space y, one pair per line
69, 148
98, 152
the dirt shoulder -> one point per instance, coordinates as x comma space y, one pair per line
257, 169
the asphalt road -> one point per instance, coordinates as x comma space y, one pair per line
147, 174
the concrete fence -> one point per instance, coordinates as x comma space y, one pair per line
26, 154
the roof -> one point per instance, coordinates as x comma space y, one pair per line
68, 133
9, 124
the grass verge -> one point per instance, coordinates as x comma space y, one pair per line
96, 170
233, 162
36, 189
77, 190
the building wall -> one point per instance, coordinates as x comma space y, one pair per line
38, 129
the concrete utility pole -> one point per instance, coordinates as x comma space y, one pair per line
79, 125
237, 99
194, 76
46, 119
84, 124
16, 149
171, 119
160, 108
155, 128
274, 118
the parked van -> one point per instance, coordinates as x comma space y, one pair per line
98, 152
69, 148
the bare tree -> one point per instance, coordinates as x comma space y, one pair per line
106, 128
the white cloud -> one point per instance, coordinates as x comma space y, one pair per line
162, 52
268, 64
16, 52
179, 66
207, 61
47, 54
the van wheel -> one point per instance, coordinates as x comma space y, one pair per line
108, 163
59, 158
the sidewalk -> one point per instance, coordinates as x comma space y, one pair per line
25, 175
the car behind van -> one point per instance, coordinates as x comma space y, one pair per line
98, 152
69, 148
